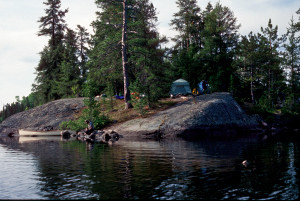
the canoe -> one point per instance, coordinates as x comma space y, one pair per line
23, 132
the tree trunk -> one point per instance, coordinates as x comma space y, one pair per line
251, 84
127, 97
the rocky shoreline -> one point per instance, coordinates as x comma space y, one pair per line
214, 115
98, 136
201, 116
43, 118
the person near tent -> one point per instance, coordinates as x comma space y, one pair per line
200, 86
205, 87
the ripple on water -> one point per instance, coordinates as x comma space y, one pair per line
18, 183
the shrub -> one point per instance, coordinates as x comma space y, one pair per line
92, 113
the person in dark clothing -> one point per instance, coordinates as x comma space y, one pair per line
204, 86
90, 127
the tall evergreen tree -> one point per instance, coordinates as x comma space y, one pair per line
148, 70
187, 22
292, 59
111, 37
273, 74
105, 62
189, 26
248, 62
206, 44
52, 25
297, 25
83, 39
220, 42
69, 76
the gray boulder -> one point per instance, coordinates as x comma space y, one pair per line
43, 118
198, 116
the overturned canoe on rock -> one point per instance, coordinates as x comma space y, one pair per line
23, 132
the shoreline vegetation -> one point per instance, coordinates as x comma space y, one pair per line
112, 108
182, 116
127, 56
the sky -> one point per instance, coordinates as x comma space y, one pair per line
20, 45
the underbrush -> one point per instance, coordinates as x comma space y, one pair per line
284, 117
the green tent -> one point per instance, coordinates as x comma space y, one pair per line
181, 87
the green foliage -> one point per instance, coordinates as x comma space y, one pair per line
69, 68
75, 90
92, 112
205, 45
20, 105
264, 103
49, 69
185, 59
63, 61
290, 107
74, 125
105, 62
139, 104
99, 120
138, 99
291, 59
82, 41
145, 55
108, 102
259, 68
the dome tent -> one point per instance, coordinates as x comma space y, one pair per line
180, 86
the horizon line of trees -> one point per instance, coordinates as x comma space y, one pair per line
125, 54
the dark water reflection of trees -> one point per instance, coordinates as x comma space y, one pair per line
70, 169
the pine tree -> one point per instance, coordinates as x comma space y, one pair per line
105, 60
146, 59
69, 67
189, 25
187, 22
220, 42
52, 25
292, 59
273, 74
206, 44
248, 57
83, 39
140, 43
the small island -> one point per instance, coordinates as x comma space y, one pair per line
190, 117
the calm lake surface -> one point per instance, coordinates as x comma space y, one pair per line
55, 168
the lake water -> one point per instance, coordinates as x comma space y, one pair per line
55, 168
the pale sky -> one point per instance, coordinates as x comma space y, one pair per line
20, 45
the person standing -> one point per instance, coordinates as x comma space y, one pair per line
204, 86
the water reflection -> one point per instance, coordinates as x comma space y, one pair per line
58, 168
14, 183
